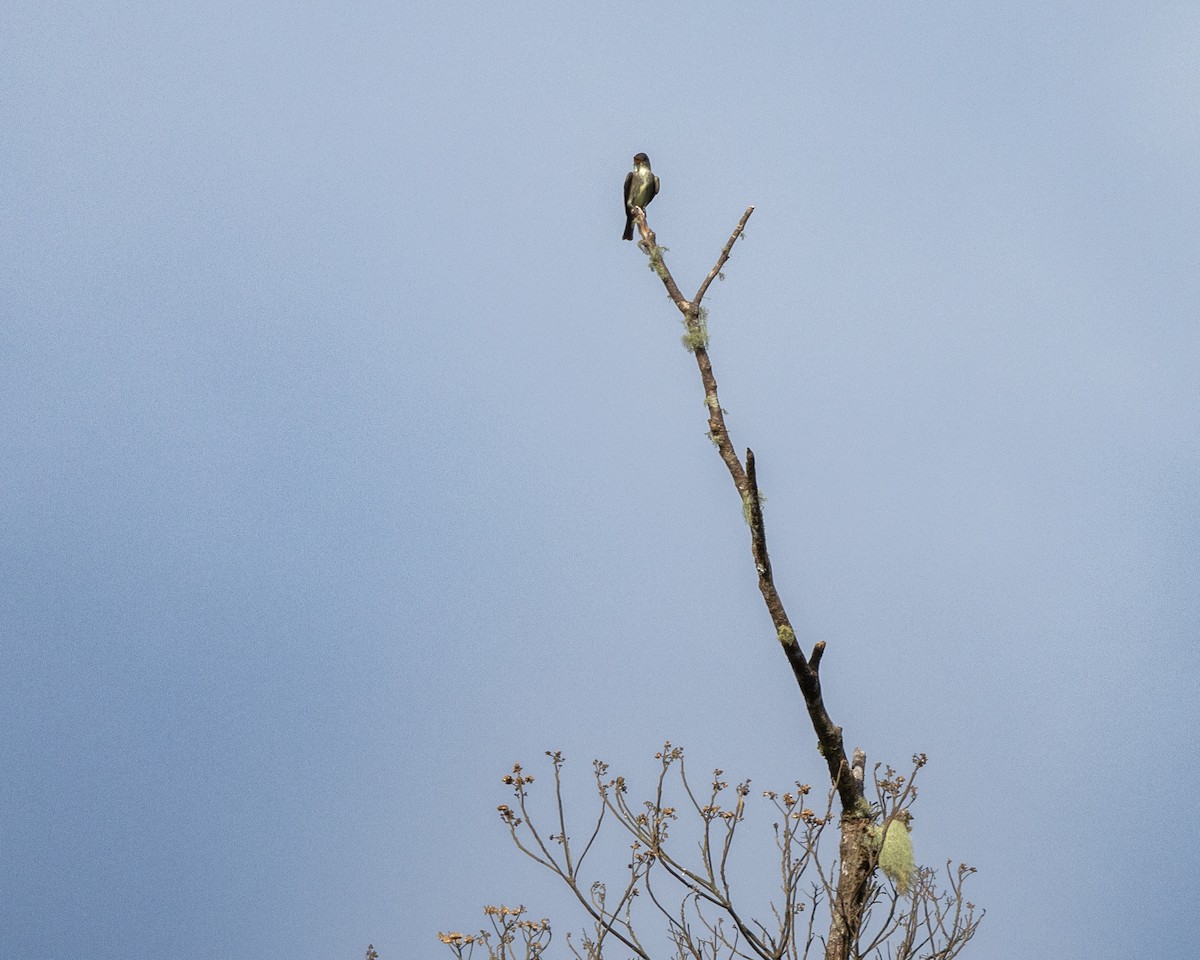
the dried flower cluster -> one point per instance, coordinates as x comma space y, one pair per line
902, 908
510, 937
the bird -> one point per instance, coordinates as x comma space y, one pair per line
641, 186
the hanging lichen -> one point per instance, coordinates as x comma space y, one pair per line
896, 856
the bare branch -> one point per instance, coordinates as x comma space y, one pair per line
716, 270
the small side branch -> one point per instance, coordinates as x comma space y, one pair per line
758, 542
717, 267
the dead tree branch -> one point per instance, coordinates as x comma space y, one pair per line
855, 859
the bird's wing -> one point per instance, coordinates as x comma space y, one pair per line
655, 194
628, 186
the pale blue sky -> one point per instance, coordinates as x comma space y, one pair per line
351, 456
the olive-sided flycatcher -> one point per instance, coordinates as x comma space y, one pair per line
641, 186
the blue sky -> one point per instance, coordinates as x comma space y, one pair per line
350, 456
